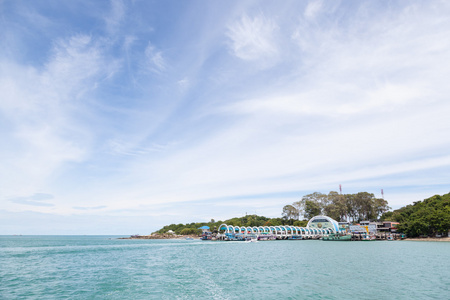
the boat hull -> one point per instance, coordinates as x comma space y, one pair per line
332, 237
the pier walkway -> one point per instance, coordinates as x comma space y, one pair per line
284, 232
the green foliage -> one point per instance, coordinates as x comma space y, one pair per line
247, 221
349, 207
428, 217
190, 231
312, 209
290, 212
302, 223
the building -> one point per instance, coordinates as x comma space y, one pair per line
388, 226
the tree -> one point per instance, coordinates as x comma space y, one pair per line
300, 207
187, 231
290, 212
337, 208
312, 209
311, 203
302, 223
428, 217
380, 206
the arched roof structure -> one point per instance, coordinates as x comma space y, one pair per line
334, 223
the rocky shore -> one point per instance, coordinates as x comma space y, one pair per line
157, 236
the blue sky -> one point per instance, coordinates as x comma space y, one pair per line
119, 117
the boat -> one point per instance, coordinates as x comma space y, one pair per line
253, 240
206, 236
368, 237
338, 237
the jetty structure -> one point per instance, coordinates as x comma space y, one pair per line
317, 227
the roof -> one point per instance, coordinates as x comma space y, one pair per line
204, 227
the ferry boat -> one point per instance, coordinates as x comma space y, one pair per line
337, 237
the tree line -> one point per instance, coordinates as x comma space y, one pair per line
423, 218
428, 217
347, 207
247, 221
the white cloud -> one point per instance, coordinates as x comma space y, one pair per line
42, 108
37, 199
254, 38
115, 16
155, 60
312, 9
360, 100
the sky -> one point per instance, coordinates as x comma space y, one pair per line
120, 117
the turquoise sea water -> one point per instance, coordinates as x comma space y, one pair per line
103, 267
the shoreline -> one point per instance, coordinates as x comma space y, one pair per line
429, 239
182, 237
159, 237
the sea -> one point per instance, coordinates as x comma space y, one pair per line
105, 267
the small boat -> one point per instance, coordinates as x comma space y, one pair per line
253, 240
206, 236
368, 237
337, 237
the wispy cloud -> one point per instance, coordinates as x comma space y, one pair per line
37, 199
154, 59
43, 108
89, 207
253, 38
165, 122
312, 9
115, 16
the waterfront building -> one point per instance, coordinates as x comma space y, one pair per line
317, 227
388, 226
324, 222
206, 233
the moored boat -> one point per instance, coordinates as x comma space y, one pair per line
252, 240
337, 237
368, 237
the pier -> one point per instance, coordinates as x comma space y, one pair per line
316, 228
284, 232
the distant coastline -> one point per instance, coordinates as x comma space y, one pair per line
164, 236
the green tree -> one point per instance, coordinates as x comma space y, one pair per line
302, 223
380, 206
312, 209
290, 212
428, 217
188, 231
